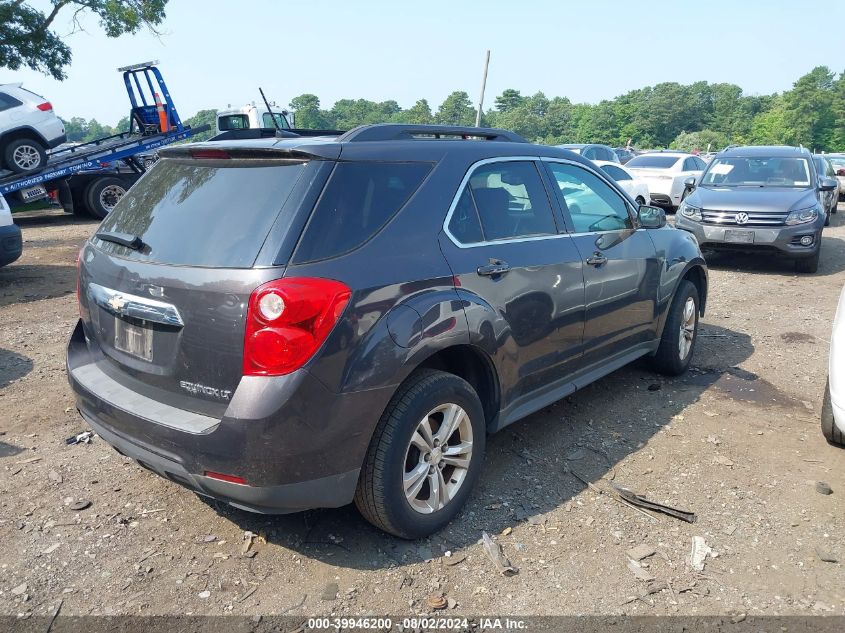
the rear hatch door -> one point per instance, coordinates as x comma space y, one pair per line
166, 279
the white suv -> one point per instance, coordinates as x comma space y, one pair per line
28, 127
666, 173
10, 235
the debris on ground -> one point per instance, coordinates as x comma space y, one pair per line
436, 602
329, 592
823, 488
81, 504
455, 559
55, 477
700, 551
639, 571
825, 556
633, 498
640, 552
495, 554
724, 461
249, 537
507, 531
204, 594
20, 589
80, 438
654, 386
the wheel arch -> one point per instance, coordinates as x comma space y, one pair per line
695, 272
23, 132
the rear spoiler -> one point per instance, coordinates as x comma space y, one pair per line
271, 132
205, 151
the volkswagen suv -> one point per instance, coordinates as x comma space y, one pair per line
760, 199
291, 323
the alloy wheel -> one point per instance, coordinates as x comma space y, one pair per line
26, 157
687, 333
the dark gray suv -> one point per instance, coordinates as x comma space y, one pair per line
294, 323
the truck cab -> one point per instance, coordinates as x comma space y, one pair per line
252, 116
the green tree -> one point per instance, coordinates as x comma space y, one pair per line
809, 109
419, 113
700, 141
308, 114
771, 127
508, 100
203, 117
456, 109
26, 38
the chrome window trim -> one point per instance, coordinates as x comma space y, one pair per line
472, 169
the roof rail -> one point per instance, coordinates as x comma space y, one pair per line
400, 131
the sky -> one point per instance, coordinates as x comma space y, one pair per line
218, 52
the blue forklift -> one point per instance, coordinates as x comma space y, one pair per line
90, 178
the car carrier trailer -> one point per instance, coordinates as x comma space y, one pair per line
92, 177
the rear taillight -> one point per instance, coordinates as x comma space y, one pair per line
287, 322
45, 107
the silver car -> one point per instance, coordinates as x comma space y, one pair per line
759, 199
838, 162
830, 199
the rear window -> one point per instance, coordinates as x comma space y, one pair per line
233, 122
190, 213
359, 199
653, 162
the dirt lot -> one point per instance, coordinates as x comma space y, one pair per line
736, 440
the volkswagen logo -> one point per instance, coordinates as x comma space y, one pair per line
741, 217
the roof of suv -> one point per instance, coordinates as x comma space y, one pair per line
767, 150
391, 141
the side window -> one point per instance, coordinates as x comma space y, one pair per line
689, 164
617, 174
511, 201
589, 153
700, 164
464, 224
592, 205
7, 101
357, 202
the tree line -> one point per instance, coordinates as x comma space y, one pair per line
686, 117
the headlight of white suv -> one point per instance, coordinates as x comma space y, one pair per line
802, 216
690, 212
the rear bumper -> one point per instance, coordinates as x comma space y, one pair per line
779, 238
11, 244
297, 444
54, 143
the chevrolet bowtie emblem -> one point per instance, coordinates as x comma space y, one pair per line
116, 303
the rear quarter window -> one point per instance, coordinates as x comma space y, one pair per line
359, 199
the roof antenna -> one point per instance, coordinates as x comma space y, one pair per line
272, 114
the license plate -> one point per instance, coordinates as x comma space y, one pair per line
739, 237
33, 193
133, 339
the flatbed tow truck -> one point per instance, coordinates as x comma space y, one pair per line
91, 177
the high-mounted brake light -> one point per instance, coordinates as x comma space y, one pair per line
45, 107
210, 153
288, 320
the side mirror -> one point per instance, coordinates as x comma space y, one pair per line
651, 217
827, 184
689, 183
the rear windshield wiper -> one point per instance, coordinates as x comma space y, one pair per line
124, 239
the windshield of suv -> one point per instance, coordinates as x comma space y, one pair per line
757, 171
652, 162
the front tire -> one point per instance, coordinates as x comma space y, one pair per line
425, 456
680, 332
809, 265
24, 155
831, 433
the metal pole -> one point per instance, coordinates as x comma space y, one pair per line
483, 86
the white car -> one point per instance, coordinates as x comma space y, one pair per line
252, 116
833, 405
10, 235
634, 186
28, 128
665, 173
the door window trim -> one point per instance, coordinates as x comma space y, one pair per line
608, 181
513, 240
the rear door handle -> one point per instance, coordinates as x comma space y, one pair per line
596, 259
495, 267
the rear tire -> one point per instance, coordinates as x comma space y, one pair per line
24, 155
103, 193
673, 356
394, 456
808, 265
831, 433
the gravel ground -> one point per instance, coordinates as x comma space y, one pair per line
736, 441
